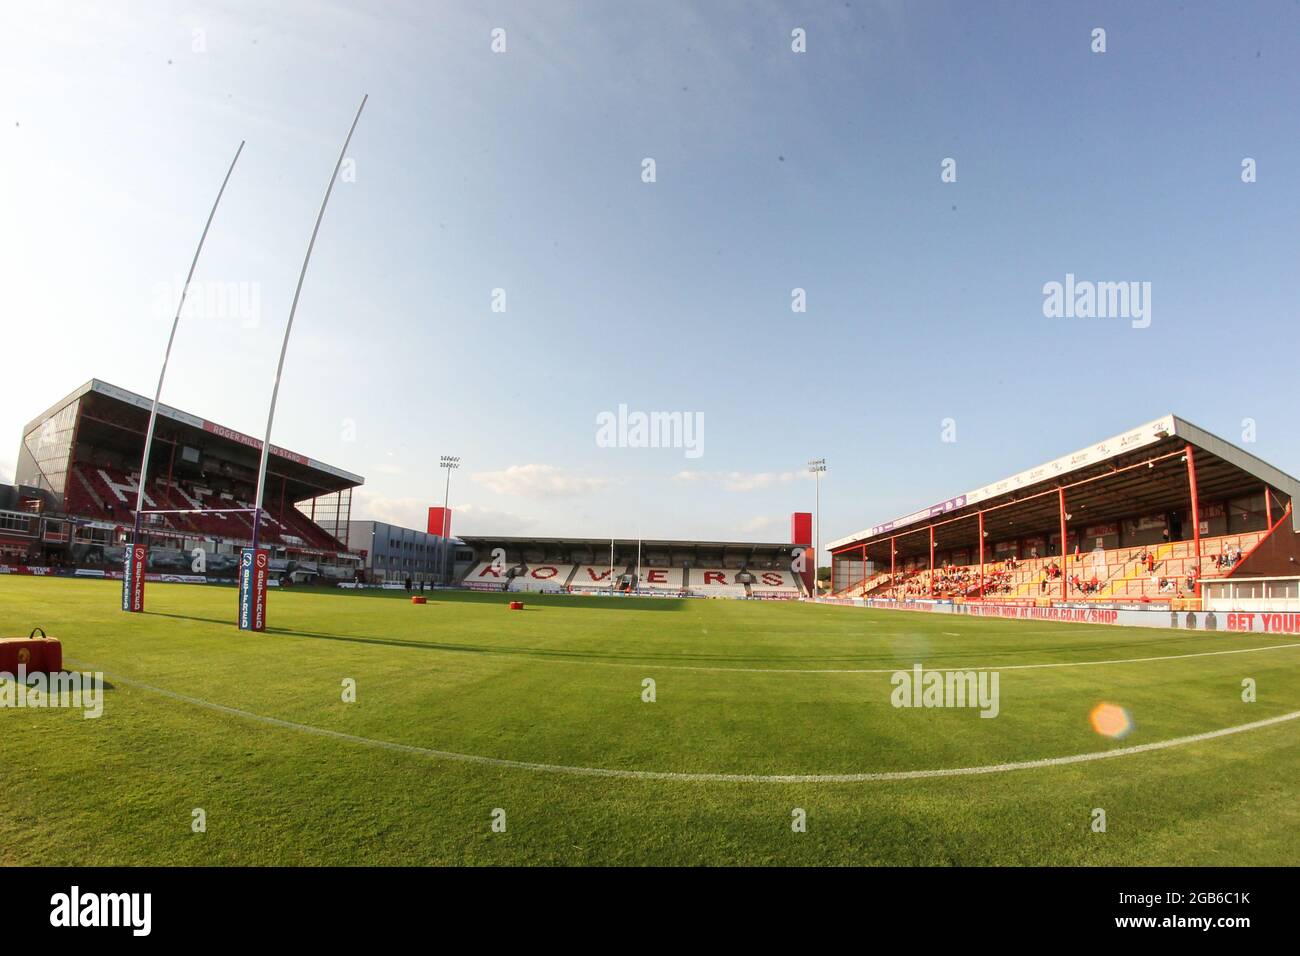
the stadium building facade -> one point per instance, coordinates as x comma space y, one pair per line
394, 554
77, 478
1165, 512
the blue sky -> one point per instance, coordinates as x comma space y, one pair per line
521, 171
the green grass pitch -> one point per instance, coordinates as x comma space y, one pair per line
742, 688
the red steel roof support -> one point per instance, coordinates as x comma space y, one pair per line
1196, 515
1061, 502
931, 560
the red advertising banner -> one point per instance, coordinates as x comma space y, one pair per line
254, 569
133, 575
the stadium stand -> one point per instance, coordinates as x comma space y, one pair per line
542, 577
83, 455
487, 576
665, 579
593, 577
1121, 573
773, 582
646, 567
1134, 529
715, 582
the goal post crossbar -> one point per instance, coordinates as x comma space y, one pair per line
196, 511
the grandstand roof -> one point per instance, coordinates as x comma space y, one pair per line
474, 540
1105, 481
125, 427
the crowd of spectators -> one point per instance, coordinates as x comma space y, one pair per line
955, 581
1084, 577
1229, 559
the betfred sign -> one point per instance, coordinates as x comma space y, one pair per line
254, 569
1263, 622
133, 566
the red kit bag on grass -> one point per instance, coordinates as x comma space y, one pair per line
36, 654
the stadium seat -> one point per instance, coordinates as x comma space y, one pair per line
594, 577
1122, 574
542, 577
661, 579
774, 583
487, 576
715, 582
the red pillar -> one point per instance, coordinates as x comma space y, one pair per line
931, 560
864, 567
893, 553
1268, 507
1196, 514
1061, 500
981, 555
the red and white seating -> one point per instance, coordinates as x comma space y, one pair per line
542, 577
1122, 574
486, 576
775, 582
593, 577
716, 582
107, 493
660, 579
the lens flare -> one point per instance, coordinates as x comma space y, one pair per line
1110, 720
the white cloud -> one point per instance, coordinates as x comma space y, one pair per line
414, 513
538, 481
7, 471
759, 523
471, 519
403, 512
742, 480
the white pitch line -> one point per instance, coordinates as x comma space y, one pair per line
643, 665
704, 777
558, 658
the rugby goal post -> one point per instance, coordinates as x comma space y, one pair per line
137, 554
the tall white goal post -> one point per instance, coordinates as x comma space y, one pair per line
136, 555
